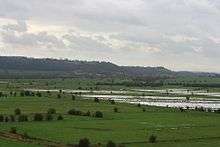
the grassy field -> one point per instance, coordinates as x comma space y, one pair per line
131, 126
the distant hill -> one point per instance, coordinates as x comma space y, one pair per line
12, 66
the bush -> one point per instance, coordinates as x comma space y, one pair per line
25, 136
96, 100
84, 143
58, 96
112, 102
139, 105
144, 109
22, 94
99, 114
6, 119
74, 112
39, 94
17, 111
152, 139
87, 113
38, 117
22, 118
60, 117
51, 111
111, 144
116, 109
13, 130
1, 118
12, 118
73, 97
49, 117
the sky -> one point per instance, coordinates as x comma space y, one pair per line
177, 34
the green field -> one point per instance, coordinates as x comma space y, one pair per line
130, 126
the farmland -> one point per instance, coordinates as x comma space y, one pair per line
131, 125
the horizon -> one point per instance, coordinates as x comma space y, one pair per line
183, 36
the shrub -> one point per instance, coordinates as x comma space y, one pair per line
22, 118
152, 139
17, 111
73, 97
71, 112
39, 94
51, 111
38, 117
144, 109
1, 118
84, 143
49, 117
112, 102
6, 119
60, 117
139, 105
88, 113
217, 111
116, 109
96, 100
99, 114
13, 130
111, 144
12, 118
58, 96
74, 112
25, 136
22, 94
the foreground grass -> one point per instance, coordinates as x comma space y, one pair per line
131, 126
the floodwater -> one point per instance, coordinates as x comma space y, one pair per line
163, 101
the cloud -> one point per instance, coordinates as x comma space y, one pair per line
16, 35
158, 32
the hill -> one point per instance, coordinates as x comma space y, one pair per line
11, 66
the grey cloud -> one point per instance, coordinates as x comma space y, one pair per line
17, 35
180, 28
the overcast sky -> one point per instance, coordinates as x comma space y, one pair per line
177, 34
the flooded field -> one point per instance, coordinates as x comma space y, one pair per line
163, 101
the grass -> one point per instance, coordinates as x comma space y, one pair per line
130, 126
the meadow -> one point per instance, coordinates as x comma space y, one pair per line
131, 125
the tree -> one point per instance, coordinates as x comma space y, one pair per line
49, 117
1, 118
116, 109
6, 119
60, 117
39, 94
12, 118
51, 111
152, 139
111, 144
112, 102
58, 96
84, 142
22, 118
17, 111
13, 130
187, 97
73, 97
38, 117
144, 109
96, 100
99, 114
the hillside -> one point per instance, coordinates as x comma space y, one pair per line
11, 66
